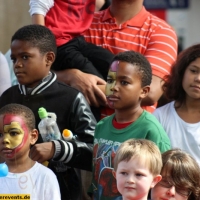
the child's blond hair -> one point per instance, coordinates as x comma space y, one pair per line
143, 149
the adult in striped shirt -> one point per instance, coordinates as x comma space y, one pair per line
126, 25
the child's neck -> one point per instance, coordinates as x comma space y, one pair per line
124, 116
189, 111
19, 166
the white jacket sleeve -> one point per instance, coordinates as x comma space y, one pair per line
40, 6
5, 81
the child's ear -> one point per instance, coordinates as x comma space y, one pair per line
50, 58
156, 179
33, 136
114, 173
145, 91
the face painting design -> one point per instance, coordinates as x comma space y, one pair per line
111, 78
15, 134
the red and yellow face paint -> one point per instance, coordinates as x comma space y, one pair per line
15, 134
111, 78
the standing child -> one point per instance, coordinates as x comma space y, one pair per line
33, 50
180, 177
181, 117
25, 176
128, 83
137, 166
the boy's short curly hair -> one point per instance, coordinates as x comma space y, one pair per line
20, 110
142, 64
38, 36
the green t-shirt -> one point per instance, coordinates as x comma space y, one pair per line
106, 142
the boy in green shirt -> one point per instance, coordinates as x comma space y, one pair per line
128, 83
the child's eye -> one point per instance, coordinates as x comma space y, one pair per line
138, 174
193, 70
1, 135
124, 173
13, 60
13, 133
24, 57
124, 82
109, 80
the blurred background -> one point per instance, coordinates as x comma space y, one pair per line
13, 15
183, 15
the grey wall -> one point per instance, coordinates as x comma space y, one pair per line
13, 15
186, 23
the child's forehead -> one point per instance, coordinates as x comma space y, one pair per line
23, 45
114, 66
9, 117
117, 65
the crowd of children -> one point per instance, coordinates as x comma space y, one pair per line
131, 154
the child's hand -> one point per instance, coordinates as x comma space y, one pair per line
42, 152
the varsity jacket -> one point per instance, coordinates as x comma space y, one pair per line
73, 113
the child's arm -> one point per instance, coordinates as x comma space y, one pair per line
78, 152
39, 9
38, 19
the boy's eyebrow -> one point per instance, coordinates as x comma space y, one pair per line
11, 129
124, 77
21, 53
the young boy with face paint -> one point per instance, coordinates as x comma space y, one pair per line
33, 50
17, 135
128, 83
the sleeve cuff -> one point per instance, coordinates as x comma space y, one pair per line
57, 148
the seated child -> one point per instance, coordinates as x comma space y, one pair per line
25, 176
68, 20
181, 117
33, 50
128, 82
180, 177
137, 166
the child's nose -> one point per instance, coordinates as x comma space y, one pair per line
18, 64
130, 179
197, 77
113, 87
6, 139
171, 191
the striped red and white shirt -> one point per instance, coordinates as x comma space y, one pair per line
144, 33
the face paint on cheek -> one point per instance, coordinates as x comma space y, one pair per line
109, 87
111, 79
10, 122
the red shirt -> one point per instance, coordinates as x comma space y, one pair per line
69, 18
